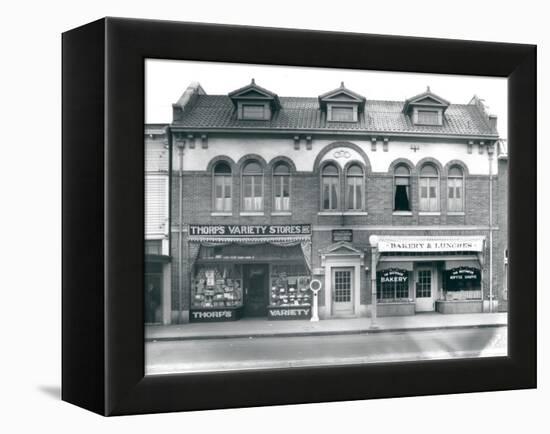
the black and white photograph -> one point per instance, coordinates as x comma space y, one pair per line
299, 217
274, 218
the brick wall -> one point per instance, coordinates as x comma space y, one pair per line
305, 206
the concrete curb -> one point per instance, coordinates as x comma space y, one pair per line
318, 333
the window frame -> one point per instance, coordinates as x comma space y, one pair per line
431, 179
243, 175
256, 105
438, 112
408, 177
335, 105
276, 186
337, 188
362, 185
383, 287
454, 178
214, 186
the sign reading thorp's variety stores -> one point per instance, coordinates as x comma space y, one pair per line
249, 230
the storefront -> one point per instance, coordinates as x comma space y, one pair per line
241, 271
425, 274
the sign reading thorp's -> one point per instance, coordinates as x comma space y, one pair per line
249, 230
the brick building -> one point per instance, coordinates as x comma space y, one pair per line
397, 207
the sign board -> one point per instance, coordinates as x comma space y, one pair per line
462, 278
289, 312
342, 235
393, 275
249, 230
430, 244
211, 315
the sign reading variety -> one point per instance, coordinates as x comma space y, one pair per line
249, 230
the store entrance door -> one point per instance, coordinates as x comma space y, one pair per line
424, 290
342, 291
255, 289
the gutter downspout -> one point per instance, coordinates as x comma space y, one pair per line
490, 151
373, 240
181, 146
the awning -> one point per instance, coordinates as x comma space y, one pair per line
402, 265
450, 264
431, 244
250, 253
157, 258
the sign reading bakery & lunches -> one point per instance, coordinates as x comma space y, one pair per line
249, 230
431, 244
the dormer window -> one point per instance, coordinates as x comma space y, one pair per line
342, 114
427, 116
426, 108
342, 105
253, 111
254, 103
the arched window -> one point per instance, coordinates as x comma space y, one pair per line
281, 187
354, 187
330, 187
455, 189
429, 188
222, 187
253, 187
401, 188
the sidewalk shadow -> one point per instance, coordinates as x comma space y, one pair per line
52, 391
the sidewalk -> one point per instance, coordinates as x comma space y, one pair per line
260, 327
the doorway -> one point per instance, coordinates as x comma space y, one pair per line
255, 285
425, 300
342, 291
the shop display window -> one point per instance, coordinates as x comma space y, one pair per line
289, 286
462, 283
216, 286
393, 286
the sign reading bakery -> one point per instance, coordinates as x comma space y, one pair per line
249, 230
430, 244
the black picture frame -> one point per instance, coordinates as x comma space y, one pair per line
103, 218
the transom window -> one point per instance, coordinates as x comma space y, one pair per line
429, 188
330, 187
401, 188
342, 114
281, 187
354, 187
253, 186
222, 187
455, 189
253, 111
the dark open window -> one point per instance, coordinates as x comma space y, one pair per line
401, 183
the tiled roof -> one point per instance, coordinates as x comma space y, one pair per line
296, 113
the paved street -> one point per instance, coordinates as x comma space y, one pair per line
165, 357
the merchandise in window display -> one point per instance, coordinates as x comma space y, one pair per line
216, 287
289, 290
